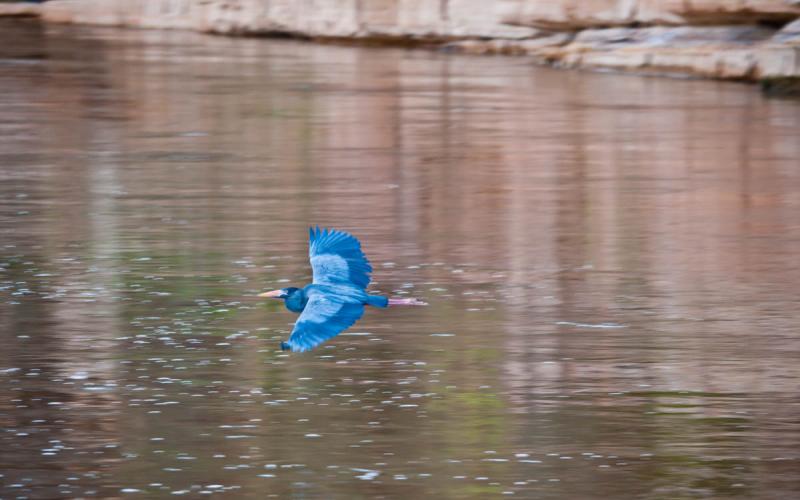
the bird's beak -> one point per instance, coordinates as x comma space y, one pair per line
275, 294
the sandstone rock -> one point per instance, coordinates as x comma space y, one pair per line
661, 12
178, 14
509, 46
19, 9
479, 18
778, 62
603, 34
781, 87
737, 11
415, 19
732, 64
582, 14
569, 14
675, 37
731, 52
790, 34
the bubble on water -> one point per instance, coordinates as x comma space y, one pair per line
367, 474
590, 325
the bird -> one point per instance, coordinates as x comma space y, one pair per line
336, 297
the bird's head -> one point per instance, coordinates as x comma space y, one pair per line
283, 293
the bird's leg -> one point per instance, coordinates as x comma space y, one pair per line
398, 301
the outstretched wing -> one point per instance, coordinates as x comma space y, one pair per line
337, 259
324, 317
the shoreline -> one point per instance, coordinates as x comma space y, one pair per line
767, 53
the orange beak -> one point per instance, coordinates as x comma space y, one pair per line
275, 294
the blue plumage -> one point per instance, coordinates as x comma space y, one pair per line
336, 258
337, 295
325, 316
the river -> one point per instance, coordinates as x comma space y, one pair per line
611, 264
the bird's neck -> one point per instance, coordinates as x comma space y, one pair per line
296, 302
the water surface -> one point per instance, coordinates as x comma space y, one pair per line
610, 261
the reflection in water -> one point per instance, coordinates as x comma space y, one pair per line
610, 263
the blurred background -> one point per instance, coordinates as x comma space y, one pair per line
610, 258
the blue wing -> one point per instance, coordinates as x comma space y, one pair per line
337, 259
324, 317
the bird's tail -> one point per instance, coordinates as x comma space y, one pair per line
406, 301
377, 301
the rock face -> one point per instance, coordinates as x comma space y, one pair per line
790, 34
729, 39
411, 19
719, 52
19, 9
582, 14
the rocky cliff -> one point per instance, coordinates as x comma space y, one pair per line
730, 39
583, 14
421, 20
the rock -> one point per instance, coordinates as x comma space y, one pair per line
684, 36
730, 65
381, 19
730, 52
739, 11
781, 87
569, 14
776, 62
789, 34
582, 14
479, 18
19, 9
509, 47
652, 36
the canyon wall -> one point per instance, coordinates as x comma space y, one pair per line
364, 19
582, 14
730, 39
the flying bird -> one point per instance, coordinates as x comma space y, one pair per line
336, 297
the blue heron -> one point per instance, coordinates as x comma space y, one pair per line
336, 297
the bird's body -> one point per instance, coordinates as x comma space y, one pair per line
337, 295
298, 298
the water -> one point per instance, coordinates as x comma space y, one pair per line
610, 261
